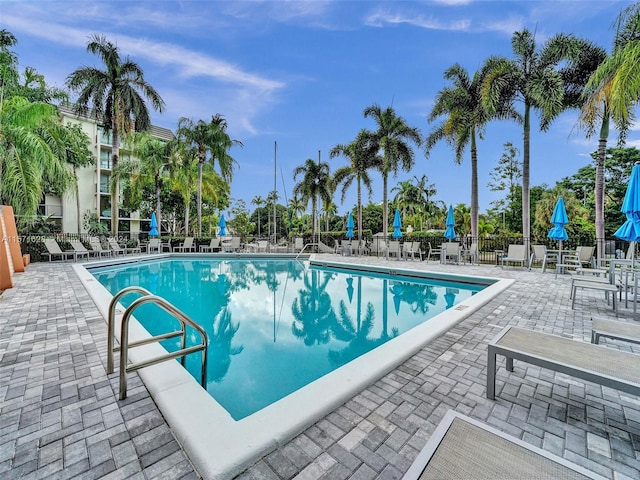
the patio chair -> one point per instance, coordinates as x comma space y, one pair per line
515, 254
583, 256
53, 250
186, 246
379, 246
298, 244
411, 248
434, 252
344, 247
214, 246
230, 244
115, 247
394, 249
541, 254
96, 246
134, 249
462, 447
450, 252
79, 249
601, 365
362, 247
470, 254
154, 244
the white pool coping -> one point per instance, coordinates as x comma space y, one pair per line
219, 446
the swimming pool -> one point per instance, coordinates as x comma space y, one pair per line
219, 445
274, 325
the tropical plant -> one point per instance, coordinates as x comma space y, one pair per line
361, 158
258, 201
114, 96
602, 94
465, 121
213, 144
314, 316
537, 78
391, 139
316, 181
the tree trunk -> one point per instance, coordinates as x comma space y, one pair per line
359, 211
158, 207
115, 190
201, 158
75, 175
526, 213
385, 212
599, 188
474, 188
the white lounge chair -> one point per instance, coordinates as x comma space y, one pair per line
450, 252
542, 255
471, 254
186, 246
54, 250
96, 246
298, 244
115, 247
80, 250
412, 248
394, 249
515, 254
214, 246
434, 252
462, 447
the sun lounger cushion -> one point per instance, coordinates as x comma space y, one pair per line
464, 448
594, 363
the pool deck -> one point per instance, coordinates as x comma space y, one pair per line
60, 416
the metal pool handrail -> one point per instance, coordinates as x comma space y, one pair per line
124, 337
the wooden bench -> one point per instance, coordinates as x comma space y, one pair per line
462, 447
590, 285
601, 327
593, 363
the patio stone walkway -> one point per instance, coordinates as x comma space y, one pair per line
60, 417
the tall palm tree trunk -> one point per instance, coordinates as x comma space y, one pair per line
599, 193
526, 213
115, 191
200, 164
75, 175
359, 211
474, 188
313, 218
385, 212
158, 207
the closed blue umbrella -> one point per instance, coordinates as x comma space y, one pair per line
397, 225
223, 225
450, 232
154, 226
559, 220
350, 226
630, 229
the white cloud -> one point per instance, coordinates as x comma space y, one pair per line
380, 18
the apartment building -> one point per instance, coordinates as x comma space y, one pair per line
94, 182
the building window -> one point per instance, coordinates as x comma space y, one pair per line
104, 182
105, 138
105, 206
105, 159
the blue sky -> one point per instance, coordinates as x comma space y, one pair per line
300, 73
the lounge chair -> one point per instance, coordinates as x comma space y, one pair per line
470, 254
115, 247
462, 447
344, 247
53, 250
625, 331
594, 363
434, 252
298, 244
450, 252
230, 244
134, 249
96, 246
542, 255
214, 246
515, 254
186, 246
379, 246
153, 245
412, 248
394, 249
80, 250
583, 256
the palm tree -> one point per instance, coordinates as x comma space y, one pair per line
115, 97
148, 166
209, 138
391, 139
258, 201
599, 95
466, 119
316, 181
361, 158
535, 78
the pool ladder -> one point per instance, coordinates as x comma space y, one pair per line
148, 297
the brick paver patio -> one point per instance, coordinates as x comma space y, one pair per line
60, 417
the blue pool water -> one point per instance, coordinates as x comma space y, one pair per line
276, 325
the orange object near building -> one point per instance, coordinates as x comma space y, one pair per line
11, 259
